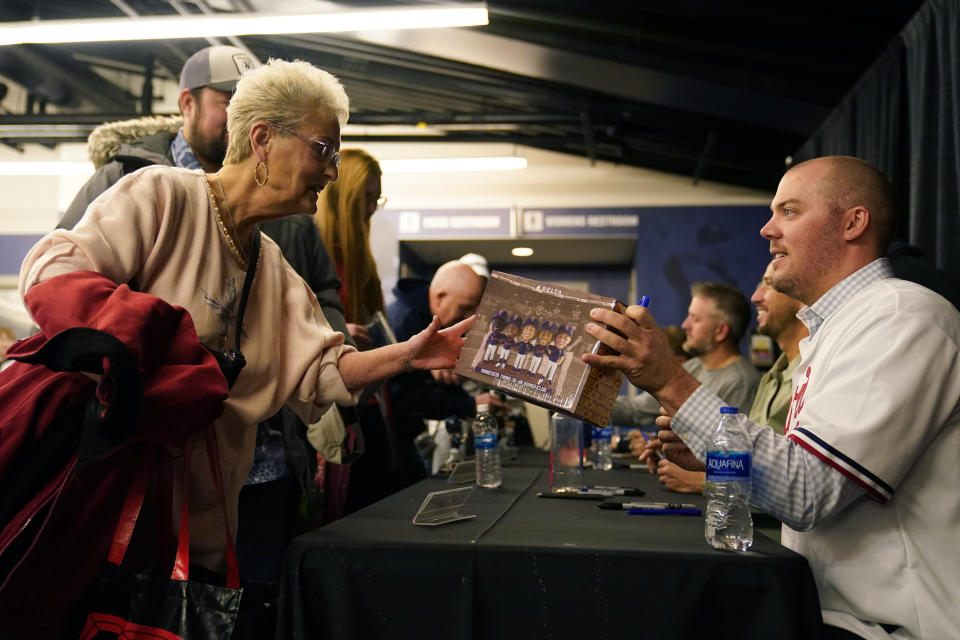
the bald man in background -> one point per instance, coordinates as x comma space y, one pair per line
452, 294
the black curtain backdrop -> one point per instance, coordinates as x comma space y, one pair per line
903, 116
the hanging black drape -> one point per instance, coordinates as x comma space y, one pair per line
903, 116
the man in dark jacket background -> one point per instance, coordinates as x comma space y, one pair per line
197, 140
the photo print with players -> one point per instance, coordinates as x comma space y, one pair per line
528, 340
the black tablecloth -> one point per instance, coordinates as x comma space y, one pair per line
529, 567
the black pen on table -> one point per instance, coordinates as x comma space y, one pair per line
625, 506
612, 491
664, 512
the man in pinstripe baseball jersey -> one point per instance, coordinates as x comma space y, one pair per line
865, 477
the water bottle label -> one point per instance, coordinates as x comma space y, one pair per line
485, 441
728, 465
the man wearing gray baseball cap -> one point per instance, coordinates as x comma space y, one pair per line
207, 81
217, 68
197, 140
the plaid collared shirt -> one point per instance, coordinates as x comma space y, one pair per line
182, 153
828, 304
789, 482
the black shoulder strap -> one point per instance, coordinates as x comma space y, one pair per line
232, 362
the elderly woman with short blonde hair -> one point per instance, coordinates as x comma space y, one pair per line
187, 237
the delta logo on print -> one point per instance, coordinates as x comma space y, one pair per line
796, 402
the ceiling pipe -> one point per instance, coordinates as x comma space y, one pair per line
60, 80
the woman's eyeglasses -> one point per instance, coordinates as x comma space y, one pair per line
321, 148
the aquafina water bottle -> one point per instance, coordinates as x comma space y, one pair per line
728, 524
485, 438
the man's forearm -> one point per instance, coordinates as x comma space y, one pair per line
789, 482
673, 394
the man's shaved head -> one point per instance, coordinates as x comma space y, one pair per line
850, 182
455, 292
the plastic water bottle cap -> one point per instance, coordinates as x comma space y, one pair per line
728, 410
482, 408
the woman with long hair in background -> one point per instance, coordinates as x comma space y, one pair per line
343, 218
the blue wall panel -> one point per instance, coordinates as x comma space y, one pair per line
13, 249
679, 246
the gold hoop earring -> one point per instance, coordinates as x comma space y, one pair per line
256, 173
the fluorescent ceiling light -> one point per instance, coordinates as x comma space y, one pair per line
432, 165
46, 168
407, 130
418, 165
492, 126
238, 24
522, 252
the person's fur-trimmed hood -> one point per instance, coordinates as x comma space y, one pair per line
107, 139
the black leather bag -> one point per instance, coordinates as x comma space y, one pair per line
132, 605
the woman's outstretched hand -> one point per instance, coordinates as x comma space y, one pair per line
432, 348
436, 348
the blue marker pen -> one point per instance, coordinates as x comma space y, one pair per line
647, 438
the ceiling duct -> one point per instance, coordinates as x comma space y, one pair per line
60, 80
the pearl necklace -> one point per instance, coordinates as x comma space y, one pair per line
234, 246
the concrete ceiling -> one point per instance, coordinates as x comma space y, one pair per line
720, 91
